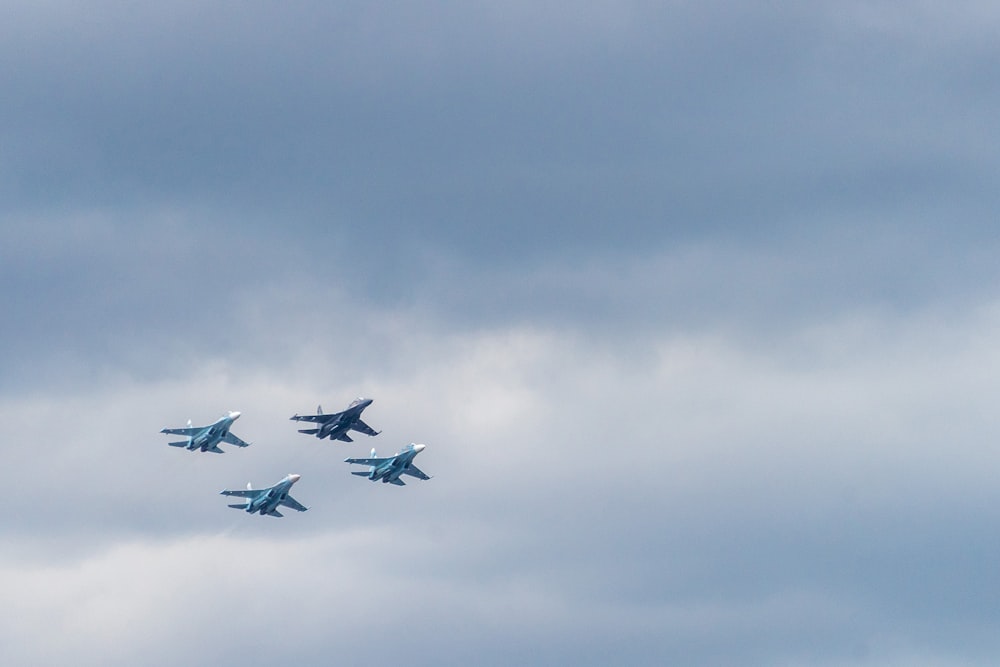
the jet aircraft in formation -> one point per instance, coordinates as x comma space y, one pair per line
336, 425
207, 438
266, 501
389, 468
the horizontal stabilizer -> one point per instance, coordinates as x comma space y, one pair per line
362, 473
345, 437
275, 513
183, 443
310, 431
215, 450
240, 506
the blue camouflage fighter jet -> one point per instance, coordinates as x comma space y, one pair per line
266, 501
389, 468
207, 438
336, 425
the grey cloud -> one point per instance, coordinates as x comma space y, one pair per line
740, 503
691, 304
151, 300
675, 123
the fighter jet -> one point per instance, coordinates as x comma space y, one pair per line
336, 425
388, 469
207, 438
266, 501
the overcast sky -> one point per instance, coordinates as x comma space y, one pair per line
694, 304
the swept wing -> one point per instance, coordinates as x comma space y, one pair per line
244, 493
234, 440
293, 503
359, 425
371, 461
322, 419
415, 471
183, 431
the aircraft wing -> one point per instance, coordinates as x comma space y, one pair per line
182, 431
370, 462
319, 419
294, 504
359, 425
244, 493
415, 471
233, 440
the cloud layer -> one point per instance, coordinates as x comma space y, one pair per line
693, 306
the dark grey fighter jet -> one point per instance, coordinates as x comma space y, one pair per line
389, 468
266, 501
336, 425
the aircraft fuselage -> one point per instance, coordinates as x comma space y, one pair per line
396, 466
269, 501
212, 435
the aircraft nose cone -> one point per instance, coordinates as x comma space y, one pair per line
294, 478
234, 414
419, 448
